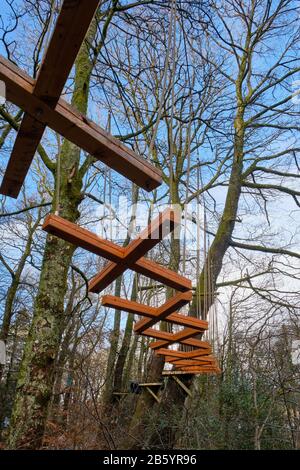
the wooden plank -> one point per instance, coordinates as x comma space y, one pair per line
200, 370
83, 238
146, 311
174, 372
153, 333
70, 30
203, 351
192, 362
90, 241
160, 227
149, 269
178, 337
176, 302
75, 127
182, 385
153, 394
213, 368
154, 384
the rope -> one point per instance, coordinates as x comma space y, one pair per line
164, 86
171, 146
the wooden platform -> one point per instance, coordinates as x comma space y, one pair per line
188, 372
43, 107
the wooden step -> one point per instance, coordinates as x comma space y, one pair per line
150, 312
204, 350
89, 241
153, 333
173, 304
66, 121
192, 362
69, 32
147, 268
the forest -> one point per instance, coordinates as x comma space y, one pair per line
117, 116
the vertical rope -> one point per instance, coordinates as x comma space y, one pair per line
171, 143
164, 85
58, 177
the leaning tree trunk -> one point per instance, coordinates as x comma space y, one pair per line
36, 376
13, 288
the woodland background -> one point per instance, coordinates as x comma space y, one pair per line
225, 132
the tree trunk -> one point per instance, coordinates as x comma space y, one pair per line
36, 376
120, 370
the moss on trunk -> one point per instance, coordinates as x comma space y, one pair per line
36, 376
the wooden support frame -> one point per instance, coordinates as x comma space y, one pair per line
40, 101
123, 258
182, 385
156, 398
150, 312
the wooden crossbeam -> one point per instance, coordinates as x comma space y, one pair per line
70, 30
83, 238
192, 362
173, 304
174, 372
177, 338
154, 384
200, 369
72, 125
177, 355
147, 268
150, 312
156, 231
158, 334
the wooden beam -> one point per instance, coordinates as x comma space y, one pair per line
150, 312
83, 238
202, 368
173, 304
154, 384
153, 394
153, 333
75, 127
177, 337
203, 351
182, 385
161, 226
192, 362
176, 372
70, 30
